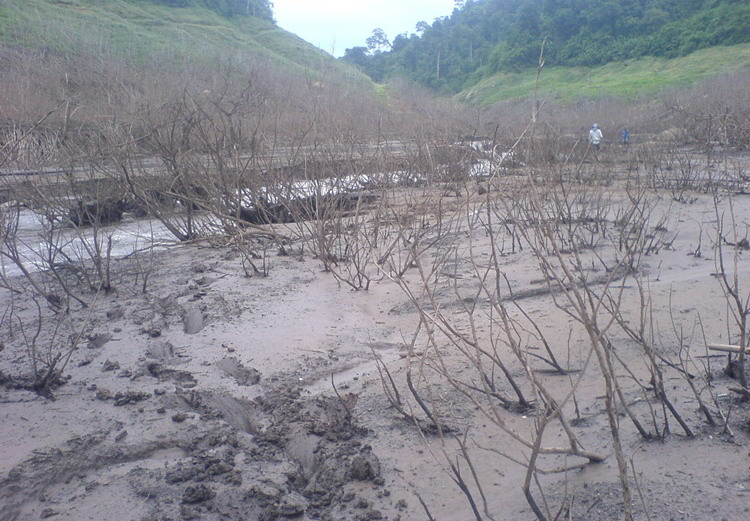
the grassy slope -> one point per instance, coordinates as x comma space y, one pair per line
145, 32
629, 79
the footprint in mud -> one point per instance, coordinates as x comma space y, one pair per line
97, 341
193, 321
162, 351
237, 412
184, 378
243, 375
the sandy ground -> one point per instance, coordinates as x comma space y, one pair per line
210, 397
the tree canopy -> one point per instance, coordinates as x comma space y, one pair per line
483, 37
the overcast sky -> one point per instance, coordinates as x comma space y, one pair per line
336, 25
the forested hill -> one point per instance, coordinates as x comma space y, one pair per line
484, 37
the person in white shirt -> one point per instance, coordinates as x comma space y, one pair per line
595, 136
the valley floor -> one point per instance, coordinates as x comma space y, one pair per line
210, 395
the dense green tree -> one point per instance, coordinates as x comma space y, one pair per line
356, 56
378, 41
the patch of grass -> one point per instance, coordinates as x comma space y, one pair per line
150, 32
630, 79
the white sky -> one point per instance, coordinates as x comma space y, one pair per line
336, 25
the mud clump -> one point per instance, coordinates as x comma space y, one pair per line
365, 466
110, 365
184, 378
291, 505
126, 398
122, 398
197, 494
215, 464
317, 448
326, 445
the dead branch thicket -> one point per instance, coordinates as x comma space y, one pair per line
590, 231
730, 243
238, 154
715, 113
590, 227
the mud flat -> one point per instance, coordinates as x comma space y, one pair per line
213, 395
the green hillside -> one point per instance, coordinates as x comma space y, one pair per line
156, 31
628, 79
483, 38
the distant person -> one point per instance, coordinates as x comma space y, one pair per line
595, 136
625, 136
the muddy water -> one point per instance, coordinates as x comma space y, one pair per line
131, 235
33, 243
